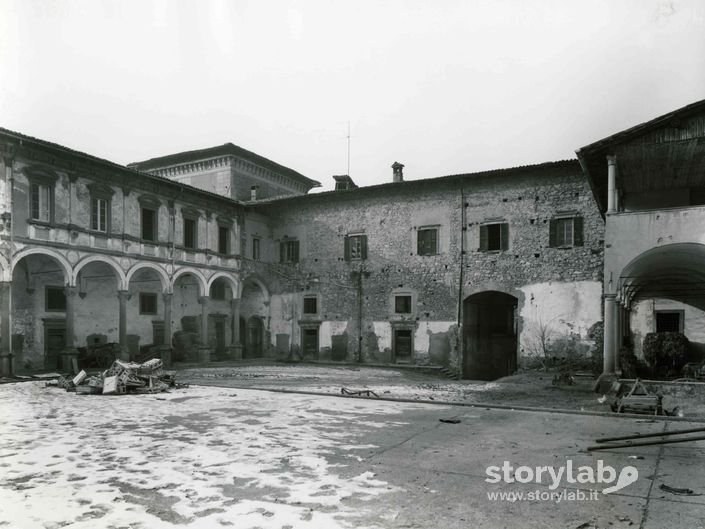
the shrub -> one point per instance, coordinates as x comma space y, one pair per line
665, 352
597, 334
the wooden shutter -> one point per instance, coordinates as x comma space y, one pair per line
553, 233
433, 249
363, 246
578, 231
295, 256
504, 236
346, 248
483, 238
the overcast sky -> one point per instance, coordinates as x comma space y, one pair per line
444, 87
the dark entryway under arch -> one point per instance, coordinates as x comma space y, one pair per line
489, 337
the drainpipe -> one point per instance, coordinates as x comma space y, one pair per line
10, 174
611, 184
359, 315
461, 278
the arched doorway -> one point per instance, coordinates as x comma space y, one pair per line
490, 337
255, 338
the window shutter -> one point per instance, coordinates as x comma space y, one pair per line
282, 252
296, 251
363, 246
94, 214
553, 233
420, 248
434, 243
483, 238
578, 231
346, 248
504, 236
34, 203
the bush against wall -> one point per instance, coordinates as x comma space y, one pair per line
665, 352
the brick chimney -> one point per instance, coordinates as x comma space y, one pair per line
398, 172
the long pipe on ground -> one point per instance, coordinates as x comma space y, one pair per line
644, 435
645, 443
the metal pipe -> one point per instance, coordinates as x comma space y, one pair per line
646, 443
644, 435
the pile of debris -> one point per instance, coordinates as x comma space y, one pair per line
120, 378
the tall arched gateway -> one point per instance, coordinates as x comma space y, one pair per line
490, 336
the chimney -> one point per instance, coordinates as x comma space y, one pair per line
253, 192
398, 171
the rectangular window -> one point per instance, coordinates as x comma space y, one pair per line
494, 237
223, 239
148, 303
149, 224
427, 241
566, 232
669, 321
40, 202
255, 249
55, 299
402, 304
355, 247
99, 214
289, 251
310, 305
190, 226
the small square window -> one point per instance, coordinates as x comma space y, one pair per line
148, 303
289, 251
669, 321
402, 304
494, 237
566, 232
355, 247
427, 241
55, 299
310, 305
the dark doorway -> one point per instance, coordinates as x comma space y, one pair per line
54, 342
253, 346
220, 336
310, 342
402, 345
489, 338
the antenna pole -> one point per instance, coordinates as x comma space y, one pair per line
348, 148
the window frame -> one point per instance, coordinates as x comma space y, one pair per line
153, 205
223, 240
148, 295
410, 300
577, 223
504, 236
436, 247
289, 251
310, 298
41, 177
100, 192
35, 213
355, 247
681, 318
256, 249
190, 231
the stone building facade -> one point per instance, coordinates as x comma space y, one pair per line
475, 272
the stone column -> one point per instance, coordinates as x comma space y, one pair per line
610, 338
70, 353
123, 296
235, 349
611, 184
6, 367
204, 351
165, 349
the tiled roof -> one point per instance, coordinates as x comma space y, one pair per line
222, 150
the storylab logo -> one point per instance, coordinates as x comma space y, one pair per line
567, 475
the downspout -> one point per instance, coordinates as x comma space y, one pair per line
463, 230
10, 172
359, 316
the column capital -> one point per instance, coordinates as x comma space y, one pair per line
70, 291
610, 297
204, 300
611, 159
167, 296
123, 295
235, 303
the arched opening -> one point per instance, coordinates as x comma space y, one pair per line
220, 318
39, 302
663, 290
187, 315
490, 337
255, 338
97, 313
145, 312
254, 309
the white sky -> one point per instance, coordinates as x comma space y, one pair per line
442, 86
